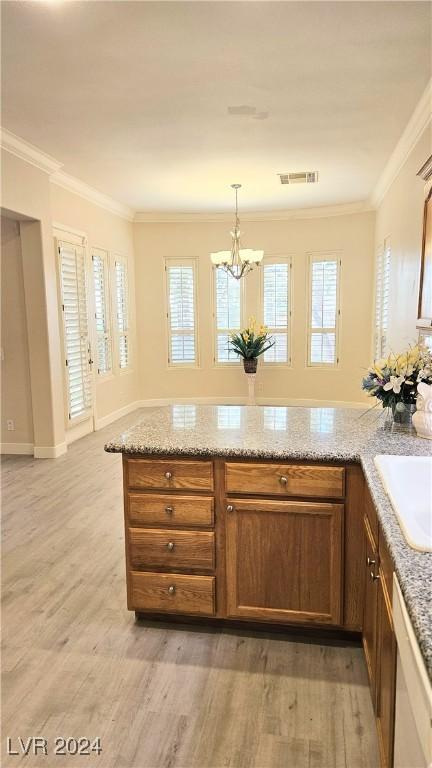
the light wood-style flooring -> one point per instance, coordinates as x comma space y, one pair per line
75, 663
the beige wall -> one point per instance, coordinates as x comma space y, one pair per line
399, 217
16, 392
114, 234
28, 192
352, 235
25, 191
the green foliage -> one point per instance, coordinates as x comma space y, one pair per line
251, 342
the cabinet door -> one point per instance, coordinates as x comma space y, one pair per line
284, 561
386, 675
370, 609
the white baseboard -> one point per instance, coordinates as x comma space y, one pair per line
49, 451
104, 421
287, 401
78, 431
18, 449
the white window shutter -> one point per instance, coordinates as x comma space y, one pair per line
102, 313
228, 314
181, 286
324, 311
75, 327
122, 313
276, 309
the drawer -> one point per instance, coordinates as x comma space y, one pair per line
172, 593
156, 548
152, 510
285, 479
167, 474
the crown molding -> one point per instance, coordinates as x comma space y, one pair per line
418, 122
324, 211
80, 188
28, 152
33, 155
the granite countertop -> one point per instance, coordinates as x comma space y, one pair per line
314, 434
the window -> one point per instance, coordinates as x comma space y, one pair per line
122, 312
102, 311
275, 278
181, 300
323, 311
75, 329
228, 314
382, 291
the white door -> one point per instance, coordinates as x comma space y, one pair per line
76, 337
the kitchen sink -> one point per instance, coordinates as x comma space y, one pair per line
408, 483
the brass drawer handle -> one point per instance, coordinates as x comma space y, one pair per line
168, 475
171, 589
369, 561
170, 546
169, 510
374, 576
283, 480
230, 508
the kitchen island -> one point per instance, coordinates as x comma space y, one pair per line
277, 516
232, 450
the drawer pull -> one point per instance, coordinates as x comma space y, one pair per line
230, 508
169, 510
168, 475
171, 589
369, 561
374, 576
170, 546
283, 480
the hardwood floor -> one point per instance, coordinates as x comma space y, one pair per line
75, 663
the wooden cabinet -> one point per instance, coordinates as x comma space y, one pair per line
379, 640
284, 555
386, 675
284, 560
370, 608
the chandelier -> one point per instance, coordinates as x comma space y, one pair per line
238, 261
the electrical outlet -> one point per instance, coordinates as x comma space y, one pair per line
10, 425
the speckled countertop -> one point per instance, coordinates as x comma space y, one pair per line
329, 434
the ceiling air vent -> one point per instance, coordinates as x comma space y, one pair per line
303, 177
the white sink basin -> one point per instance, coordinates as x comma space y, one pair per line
408, 484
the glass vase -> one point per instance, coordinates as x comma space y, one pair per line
401, 416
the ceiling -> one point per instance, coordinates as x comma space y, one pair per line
162, 105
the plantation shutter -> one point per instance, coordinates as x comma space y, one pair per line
181, 313
75, 327
324, 311
102, 314
276, 310
122, 313
228, 300
382, 295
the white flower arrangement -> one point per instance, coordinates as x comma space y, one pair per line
394, 380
